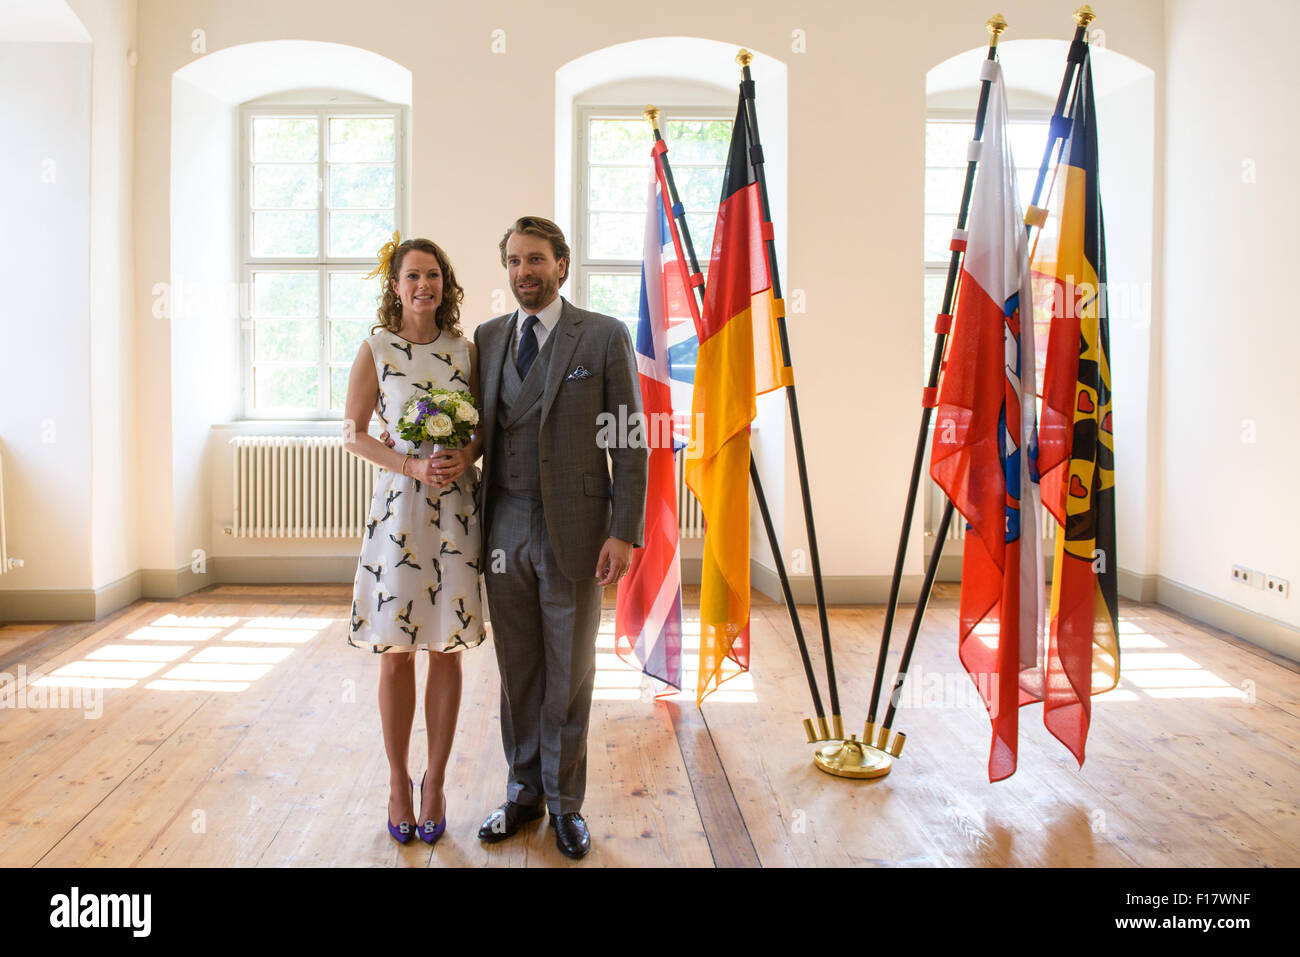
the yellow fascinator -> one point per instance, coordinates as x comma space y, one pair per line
386, 255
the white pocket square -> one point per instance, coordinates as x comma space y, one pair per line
578, 373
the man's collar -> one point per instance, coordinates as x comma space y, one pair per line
548, 316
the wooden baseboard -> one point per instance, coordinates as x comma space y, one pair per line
119, 594
47, 604
1268, 633
259, 569
1137, 587
838, 589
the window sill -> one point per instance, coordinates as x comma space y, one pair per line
330, 427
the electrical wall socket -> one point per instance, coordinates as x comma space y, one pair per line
1240, 573
1277, 586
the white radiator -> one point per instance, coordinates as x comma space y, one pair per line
290, 486
690, 517
935, 501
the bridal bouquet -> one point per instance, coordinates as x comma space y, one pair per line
443, 416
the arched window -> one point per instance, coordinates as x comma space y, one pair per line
1124, 90
289, 168
603, 152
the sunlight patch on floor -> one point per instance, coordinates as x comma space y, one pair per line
257, 646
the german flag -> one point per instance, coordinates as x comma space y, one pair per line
1076, 445
739, 359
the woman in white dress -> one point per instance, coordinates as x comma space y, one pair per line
417, 579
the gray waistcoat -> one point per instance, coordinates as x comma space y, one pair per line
515, 461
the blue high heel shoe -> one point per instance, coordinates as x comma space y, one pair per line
402, 833
428, 831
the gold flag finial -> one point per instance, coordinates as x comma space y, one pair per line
651, 113
1084, 15
996, 25
744, 57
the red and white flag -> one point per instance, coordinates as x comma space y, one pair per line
985, 445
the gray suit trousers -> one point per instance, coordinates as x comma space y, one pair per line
544, 627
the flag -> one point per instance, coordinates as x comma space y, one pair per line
739, 358
984, 455
648, 617
1076, 450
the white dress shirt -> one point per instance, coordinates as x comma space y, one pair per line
546, 320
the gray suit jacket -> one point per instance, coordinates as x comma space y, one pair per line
582, 507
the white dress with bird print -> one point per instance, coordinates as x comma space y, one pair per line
417, 581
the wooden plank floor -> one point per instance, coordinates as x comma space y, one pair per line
243, 731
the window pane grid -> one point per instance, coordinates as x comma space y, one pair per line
611, 199
616, 173
321, 197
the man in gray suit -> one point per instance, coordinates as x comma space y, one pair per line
555, 530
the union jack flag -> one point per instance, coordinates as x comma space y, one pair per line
648, 619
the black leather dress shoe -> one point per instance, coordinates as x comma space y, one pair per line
571, 835
506, 820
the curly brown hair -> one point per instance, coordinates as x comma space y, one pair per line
390, 306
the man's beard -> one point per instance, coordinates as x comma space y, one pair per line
546, 290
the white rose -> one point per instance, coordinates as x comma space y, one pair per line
439, 426
466, 413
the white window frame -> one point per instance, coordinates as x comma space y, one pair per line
968, 117
322, 106
582, 267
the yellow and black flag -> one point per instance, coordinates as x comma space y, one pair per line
1075, 441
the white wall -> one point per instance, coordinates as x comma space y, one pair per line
1230, 442
112, 300
45, 396
483, 148
205, 303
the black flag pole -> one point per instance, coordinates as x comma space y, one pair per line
696, 281
744, 57
1058, 129
943, 322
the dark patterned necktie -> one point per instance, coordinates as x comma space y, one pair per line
527, 348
